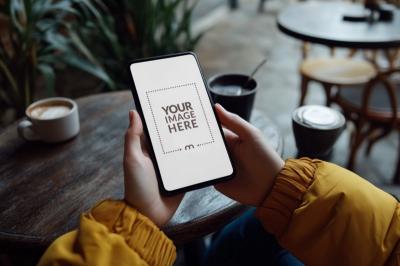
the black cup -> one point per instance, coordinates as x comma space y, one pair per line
316, 140
241, 104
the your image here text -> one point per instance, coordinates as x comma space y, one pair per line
180, 117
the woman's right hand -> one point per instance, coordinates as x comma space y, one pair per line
256, 162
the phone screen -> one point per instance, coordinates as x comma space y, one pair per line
184, 133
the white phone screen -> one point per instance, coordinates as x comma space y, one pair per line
184, 133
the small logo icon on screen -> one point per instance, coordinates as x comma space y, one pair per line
189, 147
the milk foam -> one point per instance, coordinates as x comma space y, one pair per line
50, 112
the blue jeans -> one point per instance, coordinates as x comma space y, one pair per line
245, 242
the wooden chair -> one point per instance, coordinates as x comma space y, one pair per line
333, 72
375, 112
382, 59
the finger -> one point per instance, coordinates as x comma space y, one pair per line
230, 137
135, 123
131, 114
136, 127
229, 134
234, 122
133, 135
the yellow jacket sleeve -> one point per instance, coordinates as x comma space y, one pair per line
112, 233
327, 215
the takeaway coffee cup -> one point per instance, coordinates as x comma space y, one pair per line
234, 93
316, 129
50, 120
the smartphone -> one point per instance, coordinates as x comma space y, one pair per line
187, 144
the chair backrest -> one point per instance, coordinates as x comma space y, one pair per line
390, 89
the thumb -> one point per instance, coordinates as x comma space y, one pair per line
135, 123
133, 135
234, 123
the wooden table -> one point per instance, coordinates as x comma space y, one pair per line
44, 188
322, 22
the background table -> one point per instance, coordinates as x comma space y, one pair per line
322, 22
44, 188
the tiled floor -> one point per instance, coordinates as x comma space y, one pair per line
240, 39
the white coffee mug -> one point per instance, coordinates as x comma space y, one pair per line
50, 120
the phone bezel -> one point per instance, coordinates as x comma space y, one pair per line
152, 154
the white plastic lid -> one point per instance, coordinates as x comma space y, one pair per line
317, 116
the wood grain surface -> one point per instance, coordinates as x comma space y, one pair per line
45, 187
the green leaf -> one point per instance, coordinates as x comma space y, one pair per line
81, 46
88, 67
49, 77
58, 6
16, 11
6, 71
46, 24
56, 41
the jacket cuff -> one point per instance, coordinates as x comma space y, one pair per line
287, 193
139, 232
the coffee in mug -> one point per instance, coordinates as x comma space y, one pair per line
50, 112
50, 120
235, 92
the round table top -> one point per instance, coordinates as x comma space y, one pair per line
45, 187
322, 22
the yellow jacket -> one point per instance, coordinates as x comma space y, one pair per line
322, 213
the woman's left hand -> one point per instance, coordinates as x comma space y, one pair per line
141, 187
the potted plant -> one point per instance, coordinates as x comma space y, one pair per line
36, 37
131, 29
40, 36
